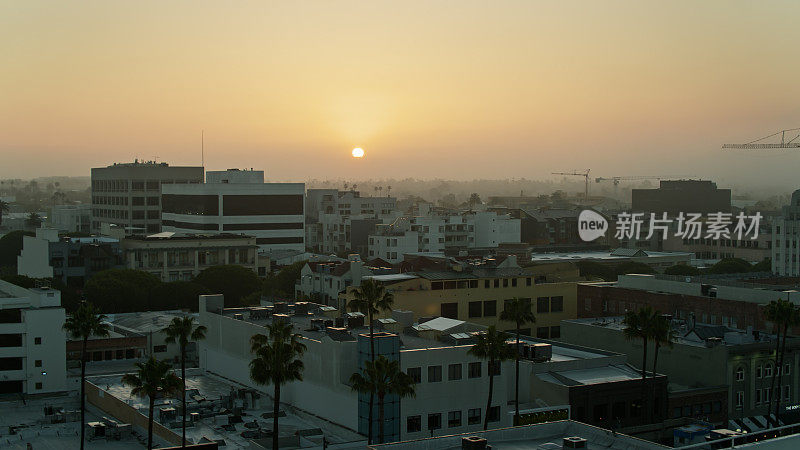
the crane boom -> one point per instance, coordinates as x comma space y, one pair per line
758, 145
584, 174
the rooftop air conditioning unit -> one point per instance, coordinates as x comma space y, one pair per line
574, 442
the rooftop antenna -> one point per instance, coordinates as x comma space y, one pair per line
202, 148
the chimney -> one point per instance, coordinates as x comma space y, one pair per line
574, 442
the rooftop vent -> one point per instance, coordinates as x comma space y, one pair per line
574, 442
474, 443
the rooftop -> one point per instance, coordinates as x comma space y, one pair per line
618, 255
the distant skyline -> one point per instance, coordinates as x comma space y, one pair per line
434, 89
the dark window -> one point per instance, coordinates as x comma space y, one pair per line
543, 332
528, 281
159, 348
497, 283
490, 308
600, 412
618, 410
454, 372
454, 419
434, 374
415, 373
413, 424
557, 304
262, 226
555, 332
97, 356
279, 240
37, 363
475, 309
153, 214
152, 201
513, 282
11, 315
10, 340
494, 414
120, 354
190, 225
437, 285
474, 416
10, 364
450, 310
137, 215
38, 385
505, 282
262, 205
474, 370
37, 341
434, 421
152, 185
487, 284
543, 305
130, 353
137, 201
207, 205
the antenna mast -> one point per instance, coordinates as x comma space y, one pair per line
202, 148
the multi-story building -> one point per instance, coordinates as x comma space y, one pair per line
32, 341
657, 260
340, 221
323, 281
73, 260
71, 218
687, 196
752, 250
478, 294
128, 195
179, 256
785, 240
271, 212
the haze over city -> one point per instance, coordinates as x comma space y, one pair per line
453, 90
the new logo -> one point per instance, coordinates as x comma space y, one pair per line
591, 225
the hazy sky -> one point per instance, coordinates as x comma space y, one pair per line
451, 89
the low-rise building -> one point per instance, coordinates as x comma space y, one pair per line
657, 260
72, 218
32, 341
323, 281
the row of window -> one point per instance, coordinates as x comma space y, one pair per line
454, 372
454, 419
487, 284
697, 409
764, 371
762, 396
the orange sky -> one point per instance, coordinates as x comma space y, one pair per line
450, 89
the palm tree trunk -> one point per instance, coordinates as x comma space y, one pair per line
380, 418
780, 370
774, 374
653, 381
275, 410
150, 424
372, 359
516, 383
489, 400
645, 412
83, 389
183, 395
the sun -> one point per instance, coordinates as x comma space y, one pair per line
358, 152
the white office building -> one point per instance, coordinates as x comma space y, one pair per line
236, 203
72, 218
33, 357
785, 239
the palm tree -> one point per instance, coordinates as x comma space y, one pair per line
276, 362
34, 220
639, 325
783, 314
662, 334
181, 330
152, 379
491, 345
3, 208
517, 310
370, 299
85, 322
382, 378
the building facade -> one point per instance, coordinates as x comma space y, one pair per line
785, 229
687, 196
71, 218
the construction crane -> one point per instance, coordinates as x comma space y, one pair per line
584, 174
758, 145
616, 180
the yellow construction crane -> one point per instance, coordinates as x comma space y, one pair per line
758, 145
584, 174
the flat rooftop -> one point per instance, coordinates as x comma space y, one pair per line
603, 256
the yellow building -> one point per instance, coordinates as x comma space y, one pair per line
478, 295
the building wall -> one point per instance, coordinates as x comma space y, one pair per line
34, 259
785, 252
71, 218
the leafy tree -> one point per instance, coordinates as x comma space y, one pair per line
517, 310
764, 266
474, 199
639, 325
682, 270
491, 346
3, 209
232, 281
10, 248
83, 324
153, 379
634, 267
277, 362
177, 295
370, 299
282, 283
181, 330
379, 379
730, 265
121, 290
20, 280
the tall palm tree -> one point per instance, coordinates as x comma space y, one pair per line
276, 362
517, 310
34, 220
181, 330
662, 335
784, 315
639, 325
370, 299
491, 345
382, 378
3, 209
85, 322
153, 379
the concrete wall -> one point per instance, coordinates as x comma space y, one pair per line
34, 259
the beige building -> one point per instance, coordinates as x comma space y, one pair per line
478, 294
176, 256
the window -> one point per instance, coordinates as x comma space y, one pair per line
475, 309
474, 416
454, 372
758, 396
37, 341
513, 282
768, 370
413, 424
787, 369
38, 385
765, 396
37, 363
450, 310
786, 392
490, 308
740, 399
497, 283
528, 281
434, 374
434, 421
159, 348
543, 305
454, 419
494, 414
487, 284
261, 205
557, 304
474, 370
415, 373
740, 374
152, 201
505, 282
758, 371
543, 332
137, 201
555, 332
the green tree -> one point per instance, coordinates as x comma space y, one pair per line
517, 310
371, 298
232, 281
121, 290
682, 270
177, 295
34, 220
83, 324
277, 362
764, 265
730, 265
491, 346
639, 326
4, 208
379, 379
182, 330
10, 248
153, 379
281, 284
